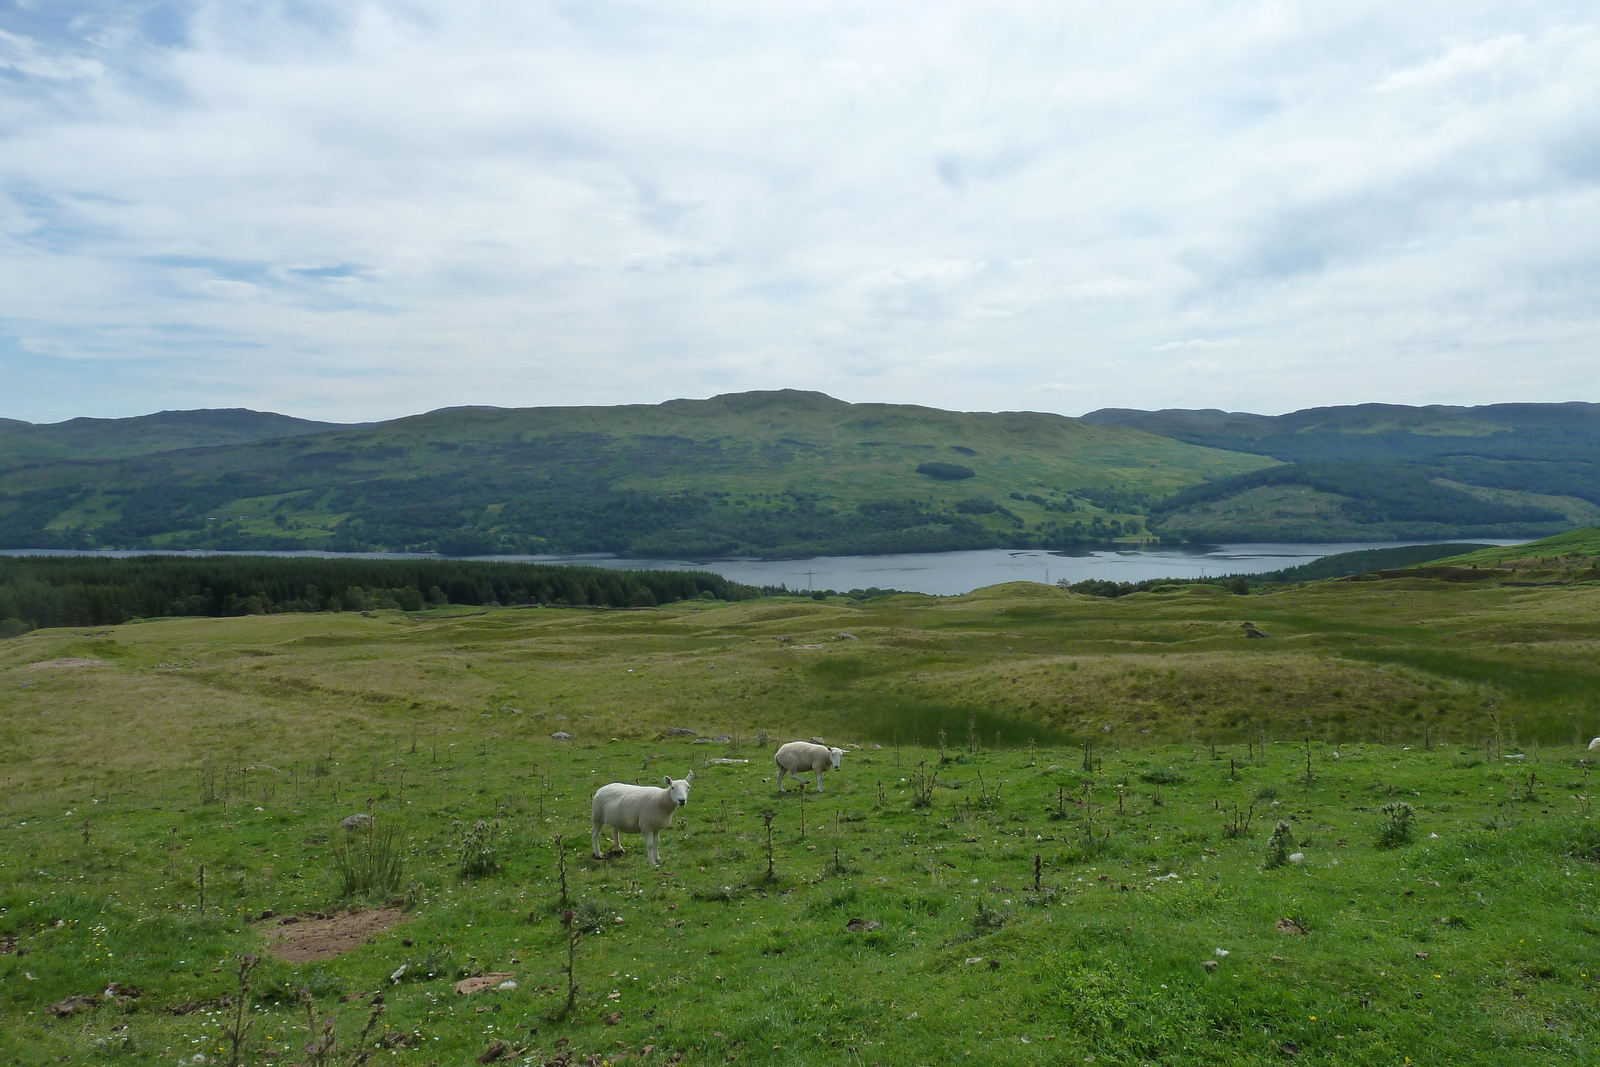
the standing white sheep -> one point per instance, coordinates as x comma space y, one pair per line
799, 756
638, 809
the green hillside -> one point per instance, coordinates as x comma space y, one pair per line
165, 431
767, 473
1569, 557
1384, 471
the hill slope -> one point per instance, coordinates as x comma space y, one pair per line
767, 473
1382, 471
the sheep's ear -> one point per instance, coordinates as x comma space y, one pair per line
689, 777
668, 780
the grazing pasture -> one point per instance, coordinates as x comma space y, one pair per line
1073, 827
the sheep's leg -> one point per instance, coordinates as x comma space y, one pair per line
819, 781
594, 839
781, 773
652, 843
616, 838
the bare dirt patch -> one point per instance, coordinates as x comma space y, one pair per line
71, 663
322, 936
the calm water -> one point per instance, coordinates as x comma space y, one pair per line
941, 573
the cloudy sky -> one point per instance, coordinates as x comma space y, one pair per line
357, 209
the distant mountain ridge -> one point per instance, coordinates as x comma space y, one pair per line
1385, 471
792, 473
163, 431
782, 472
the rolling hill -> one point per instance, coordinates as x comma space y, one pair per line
764, 473
144, 435
1383, 471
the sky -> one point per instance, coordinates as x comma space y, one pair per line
363, 209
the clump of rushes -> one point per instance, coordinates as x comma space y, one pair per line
924, 786
1395, 829
1237, 823
479, 853
369, 863
238, 1022
1278, 845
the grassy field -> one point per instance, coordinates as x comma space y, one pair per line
1037, 902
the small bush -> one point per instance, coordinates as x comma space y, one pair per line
479, 853
945, 472
1166, 776
589, 917
987, 920
1395, 830
369, 864
1278, 845
1585, 843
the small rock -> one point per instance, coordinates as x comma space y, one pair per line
507, 985
400, 972
561, 735
1289, 1048
1289, 926
1223, 953
679, 731
1297, 858
1422, 955
818, 741
857, 925
845, 635
722, 739
359, 821
1209, 965
974, 959
614, 1018
512, 710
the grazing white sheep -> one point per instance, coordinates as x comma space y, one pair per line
638, 809
1594, 746
799, 756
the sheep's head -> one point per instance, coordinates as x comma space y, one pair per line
837, 754
678, 789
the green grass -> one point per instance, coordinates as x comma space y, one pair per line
237, 745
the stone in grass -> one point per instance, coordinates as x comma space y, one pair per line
614, 1018
561, 735
477, 984
679, 731
359, 821
858, 925
1290, 926
1209, 965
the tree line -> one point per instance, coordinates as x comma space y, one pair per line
95, 591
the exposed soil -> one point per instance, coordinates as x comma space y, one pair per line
322, 936
66, 662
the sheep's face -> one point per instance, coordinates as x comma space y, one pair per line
679, 789
837, 754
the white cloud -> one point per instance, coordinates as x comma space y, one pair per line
353, 210
1197, 342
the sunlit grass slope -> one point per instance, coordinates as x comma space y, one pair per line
1038, 902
